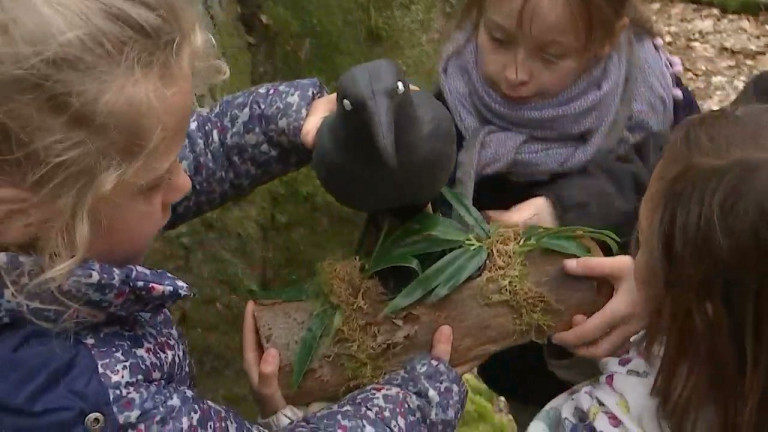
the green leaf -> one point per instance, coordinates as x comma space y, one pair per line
437, 274
400, 260
566, 245
310, 341
424, 234
294, 293
460, 273
449, 229
338, 319
471, 216
419, 225
381, 238
426, 224
423, 245
610, 241
536, 233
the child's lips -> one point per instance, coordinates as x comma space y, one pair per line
516, 96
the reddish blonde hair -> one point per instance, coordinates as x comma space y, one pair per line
598, 18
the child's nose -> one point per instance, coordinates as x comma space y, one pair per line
517, 72
181, 187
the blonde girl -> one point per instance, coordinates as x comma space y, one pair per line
100, 149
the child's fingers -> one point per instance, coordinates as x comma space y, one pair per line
268, 370
578, 320
592, 329
442, 342
614, 269
608, 346
269, 396
251, 345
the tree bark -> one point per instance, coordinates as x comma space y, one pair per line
480, 329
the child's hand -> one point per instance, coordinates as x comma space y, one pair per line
318, 111
263, 369
442, 343
608, 331
536, 211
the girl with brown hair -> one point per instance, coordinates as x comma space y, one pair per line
702, 364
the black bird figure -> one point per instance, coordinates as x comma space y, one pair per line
386, 151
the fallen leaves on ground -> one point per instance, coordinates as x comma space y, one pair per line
720, 52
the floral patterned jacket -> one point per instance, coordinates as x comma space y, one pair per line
124, 365
619, 400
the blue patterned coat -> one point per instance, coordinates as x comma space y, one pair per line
124, 365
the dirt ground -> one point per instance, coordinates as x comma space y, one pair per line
720, 52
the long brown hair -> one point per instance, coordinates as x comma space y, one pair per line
707, 246
599, 18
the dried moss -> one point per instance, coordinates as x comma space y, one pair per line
356, 342
506, 280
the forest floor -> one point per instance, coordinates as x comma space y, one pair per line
720, 52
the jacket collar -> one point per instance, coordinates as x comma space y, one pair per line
93, 292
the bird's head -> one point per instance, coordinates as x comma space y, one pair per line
369, 93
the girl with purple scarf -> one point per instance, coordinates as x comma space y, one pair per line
561, 108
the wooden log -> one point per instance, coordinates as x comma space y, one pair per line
480, 328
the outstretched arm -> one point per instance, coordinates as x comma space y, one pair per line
244, 141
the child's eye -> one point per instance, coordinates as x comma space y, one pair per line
552, 58
498, 40
156, 184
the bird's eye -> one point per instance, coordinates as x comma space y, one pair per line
347, 104
400, 87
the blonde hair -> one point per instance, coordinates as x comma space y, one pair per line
77, 79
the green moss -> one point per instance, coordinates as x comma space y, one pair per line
224, 21
482, 413
328, 36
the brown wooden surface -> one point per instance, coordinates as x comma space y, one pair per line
479, 329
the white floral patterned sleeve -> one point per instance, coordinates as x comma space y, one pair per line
618, 401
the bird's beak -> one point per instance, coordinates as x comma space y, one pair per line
383, 125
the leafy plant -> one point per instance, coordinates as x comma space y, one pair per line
463, 246
466, 250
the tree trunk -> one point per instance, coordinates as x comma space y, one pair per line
480, 328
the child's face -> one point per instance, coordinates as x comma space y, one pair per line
126, 222
537, 59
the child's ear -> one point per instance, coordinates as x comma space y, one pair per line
611, 44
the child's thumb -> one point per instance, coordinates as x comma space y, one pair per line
442, 342
268, 370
